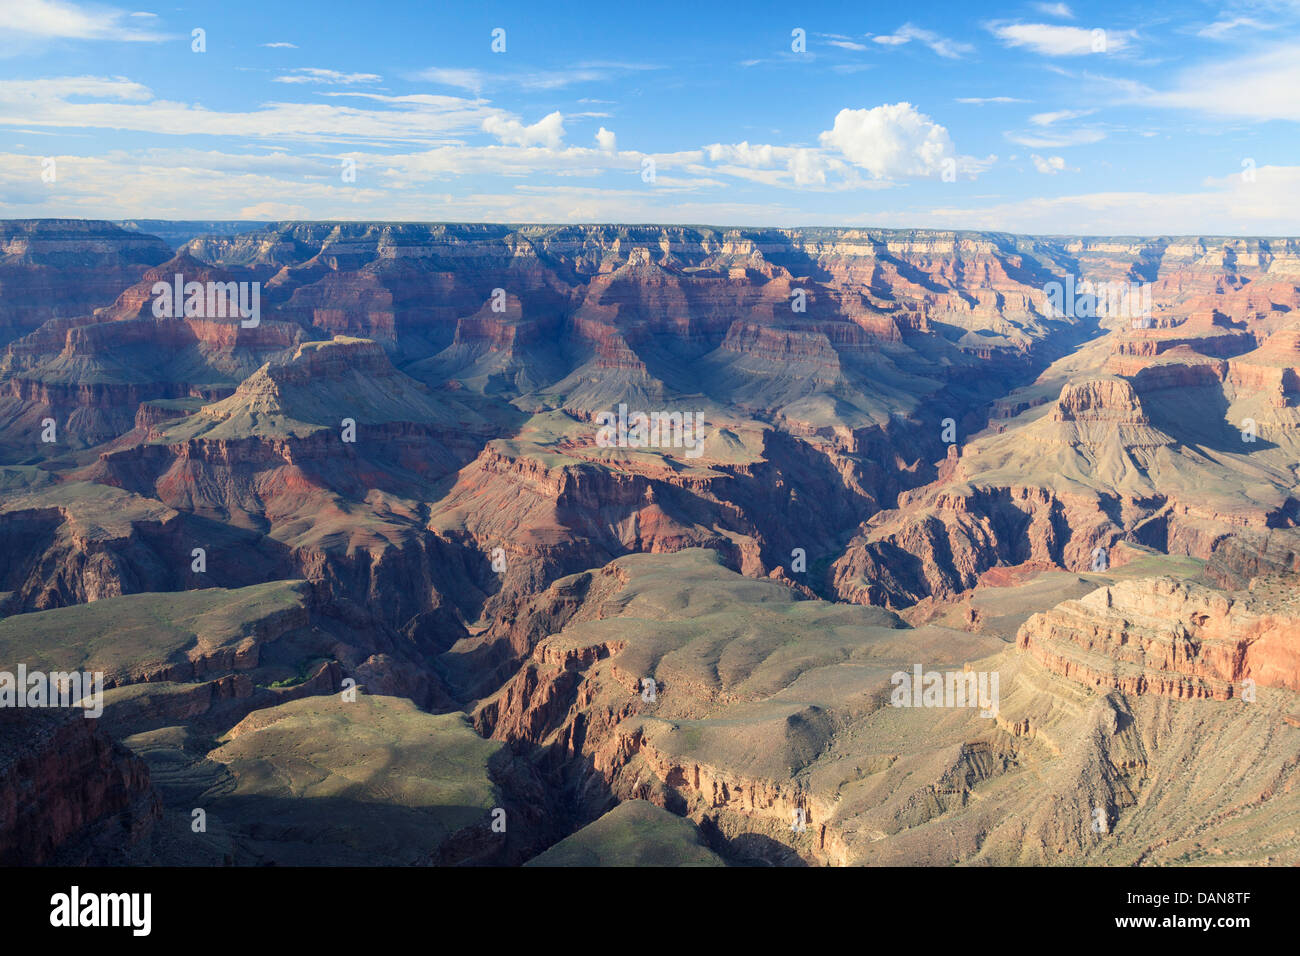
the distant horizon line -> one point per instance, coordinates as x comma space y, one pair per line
672, 225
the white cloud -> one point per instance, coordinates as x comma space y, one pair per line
1225, 206
415, 118
1054, 10
1054, 40
808, 167
61, 20
1047, 119
890, 141
471, 79
1221, 28
311, 74
1056, 139
547, 131
847, 44
178, 184
37, 93
463, 79
756, 157
940, 45
277, 211
605, 140
1049, 165
281, 45
774, 165
1257, 86
162, 185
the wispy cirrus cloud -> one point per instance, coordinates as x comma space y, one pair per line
311, 74
595, 71
115, 103
1257, 86
466, 79
981, 100
1054, 10
841, 41
950, 49
62, 20
1222, 28
1047, 135
1056, 139
1222, 205
1047, 119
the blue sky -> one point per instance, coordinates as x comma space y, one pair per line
1102, 118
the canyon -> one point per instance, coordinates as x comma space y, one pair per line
367, 585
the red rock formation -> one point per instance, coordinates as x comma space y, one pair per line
1160, 636
60, 268
68, 792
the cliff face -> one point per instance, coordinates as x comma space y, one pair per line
750, 730
66, 267
68, 792
1159, 636
894, 334
1180, 444
941, 538
71, 369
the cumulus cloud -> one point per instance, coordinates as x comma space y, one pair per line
890, 141
547, 131
774, 165
605, 140
808, 167
1055, 40
1050, 165
758, 156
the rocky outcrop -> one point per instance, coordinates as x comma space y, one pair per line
61, 268
1160, 636
68, 792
